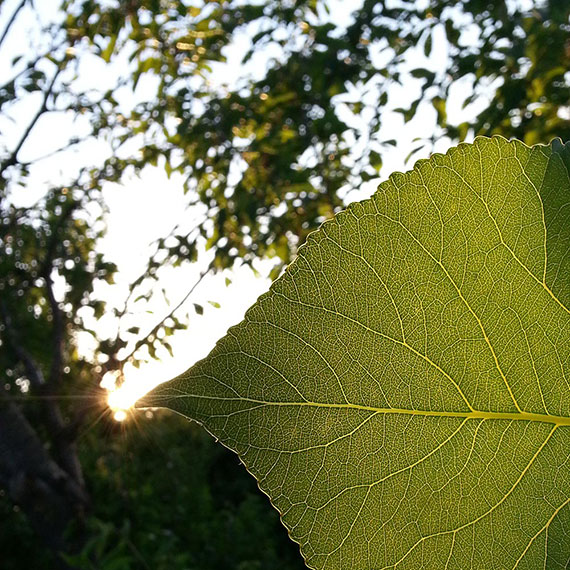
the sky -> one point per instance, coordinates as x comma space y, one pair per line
141, 209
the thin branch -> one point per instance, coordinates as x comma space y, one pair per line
156, 328
13, 158
145, 274
73, 142
11, 21
29, 66
32, 64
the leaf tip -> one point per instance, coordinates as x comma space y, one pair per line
158, 397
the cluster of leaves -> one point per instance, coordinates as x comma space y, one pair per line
269, 154
43, 247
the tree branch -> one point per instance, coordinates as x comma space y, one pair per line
32, 64
47, 494
140, 279
13, 158
63, 444
72, 142
11, 21
57, 315
142, 341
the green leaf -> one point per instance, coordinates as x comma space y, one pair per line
440, 106
199, 309
375, 160
428, 45
108, 51
402, 392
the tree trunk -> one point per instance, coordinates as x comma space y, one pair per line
46, 493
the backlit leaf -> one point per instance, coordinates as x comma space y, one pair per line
402, 392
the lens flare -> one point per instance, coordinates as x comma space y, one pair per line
121, 397
120, 415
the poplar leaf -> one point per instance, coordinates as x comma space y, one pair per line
402, 392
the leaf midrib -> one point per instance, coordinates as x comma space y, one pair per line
475, 414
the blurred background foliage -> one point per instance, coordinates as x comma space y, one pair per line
163, 497
270, 111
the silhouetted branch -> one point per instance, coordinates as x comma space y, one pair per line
13, 158
57, 314
146, 274
142, 341
65, 447
73, 142
11, 21
32, 64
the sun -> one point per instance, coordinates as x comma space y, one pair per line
122, 397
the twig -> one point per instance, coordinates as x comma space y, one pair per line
32, 64
11, 21
13, 158
51, 153
140, 279
155, 329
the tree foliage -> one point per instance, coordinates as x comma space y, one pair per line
265, 157
214, 519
